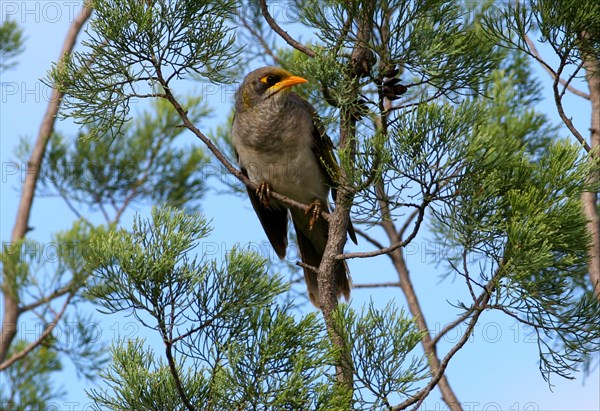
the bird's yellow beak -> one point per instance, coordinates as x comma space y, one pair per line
288, 82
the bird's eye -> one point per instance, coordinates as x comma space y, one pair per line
271, 80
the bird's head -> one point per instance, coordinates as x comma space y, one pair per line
267, 84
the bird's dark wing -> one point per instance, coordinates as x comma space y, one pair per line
323, 149
273, 220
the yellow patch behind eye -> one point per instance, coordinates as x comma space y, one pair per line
264, 79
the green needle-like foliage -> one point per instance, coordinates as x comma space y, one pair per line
380, 342
571, 28
29, 384
217, 319
145, 163
134, 48
435, 41
229, 346
44, 275
277, 362
11, 43
518, 228
437, 125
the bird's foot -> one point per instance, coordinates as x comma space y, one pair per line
264, 193
315, 212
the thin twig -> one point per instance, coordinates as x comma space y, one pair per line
392, 247
175, 374
466, 272
67, 201
419, 397
536, 55
138, 183
41, 338
413, 302
521, 320
308, 267
561, 111
259, 38
367, 237
452, 325
478, 304
403, 106
58, 293
282, 33
570, 79
406, 224
377, 285
104, 212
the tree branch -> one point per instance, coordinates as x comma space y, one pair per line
41, 338
561, 111
439, 374
478, 309
567, 83
590, 198
58, 293
282, 33
377, 285
11, 312
436, 339
414, 305
338, 225
392, 247
367, 237
406, 224
175, 374
533, 52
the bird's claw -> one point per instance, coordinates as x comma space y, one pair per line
263, 192
315, 212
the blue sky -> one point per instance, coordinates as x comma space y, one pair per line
497, 369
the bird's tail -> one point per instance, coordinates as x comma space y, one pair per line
311, 244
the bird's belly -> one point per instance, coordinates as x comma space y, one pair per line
297, 177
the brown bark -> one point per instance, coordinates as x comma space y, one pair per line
414, 307
11, 309
591, 64
360, 65
429, 346
590, 199
338, 228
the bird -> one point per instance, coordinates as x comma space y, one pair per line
281, 146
